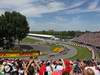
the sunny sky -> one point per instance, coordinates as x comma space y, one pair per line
57, 14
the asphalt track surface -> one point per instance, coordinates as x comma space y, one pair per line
68, 52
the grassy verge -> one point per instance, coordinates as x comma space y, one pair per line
82, 53
29, 40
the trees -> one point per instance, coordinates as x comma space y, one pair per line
13, 26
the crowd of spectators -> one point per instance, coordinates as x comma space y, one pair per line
90, 39
35, 66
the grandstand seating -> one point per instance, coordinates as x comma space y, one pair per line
92, 39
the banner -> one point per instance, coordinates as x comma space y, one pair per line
18, 54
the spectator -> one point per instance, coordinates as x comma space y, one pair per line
54, 67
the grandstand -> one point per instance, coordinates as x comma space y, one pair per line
51, 37
91, 39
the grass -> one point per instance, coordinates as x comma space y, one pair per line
82, 53
29, 40
97, 53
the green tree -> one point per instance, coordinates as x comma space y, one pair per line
13, 26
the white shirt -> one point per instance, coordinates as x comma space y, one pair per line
48, 69
53, 67
59, 68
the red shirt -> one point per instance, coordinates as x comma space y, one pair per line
56, 73
42, 69
68, 66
